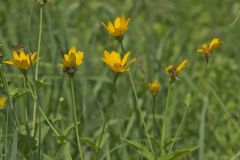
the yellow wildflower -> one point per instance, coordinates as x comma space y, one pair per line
3, 101
117, 28
114, 61
22, 60
207, 49
154, 86
173, 71
71, 60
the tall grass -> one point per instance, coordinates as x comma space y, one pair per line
160, 33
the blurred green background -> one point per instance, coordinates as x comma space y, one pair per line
161, 32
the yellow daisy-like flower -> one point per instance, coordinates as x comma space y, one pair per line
207, 49
114, 61
154, 87
22, 60
73, 59
173, 71
118, 28
3, 101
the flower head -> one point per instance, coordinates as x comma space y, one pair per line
154, 87
22, 60
114, 61
173, 71
207, 49
3, 101
118, 27
71, 60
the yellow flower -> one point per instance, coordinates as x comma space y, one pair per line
3, 101
173, 71
154, 86
73, 59
207, 49
22, 60
114, 61
117, 28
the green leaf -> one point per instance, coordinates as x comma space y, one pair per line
103, 141
187, 99
46, 157
42, 83
141, 149
180, 153
88, 140
14, 146
27, 143
70, 127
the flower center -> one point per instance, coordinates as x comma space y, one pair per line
118, 66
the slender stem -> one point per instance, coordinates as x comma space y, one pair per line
26, 107
39, 40
36, 72
5, 85
235, 124
49, 123
179, 127
201, 80
165, 118
6, 135
107, 114
140, 110
202, 132
154, 113
75, 117
121, 43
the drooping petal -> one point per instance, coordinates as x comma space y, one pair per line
8, 62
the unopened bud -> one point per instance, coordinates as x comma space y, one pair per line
61, 99
42, 2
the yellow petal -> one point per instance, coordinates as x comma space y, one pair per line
72, 50
214, 43
125, 58
9, 62
117, 22
22, 55
15, 55
181, 66
110, 27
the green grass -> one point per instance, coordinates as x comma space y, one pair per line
160, 33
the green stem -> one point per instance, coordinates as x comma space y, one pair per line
36, 72
224, 108
5, 85
75, 117
6, 135
39, 40
107, 114
179, 127
26, 108
155, 124
49, 123
140, 110
165, 118
202, 78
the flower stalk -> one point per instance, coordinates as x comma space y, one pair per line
75, 117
